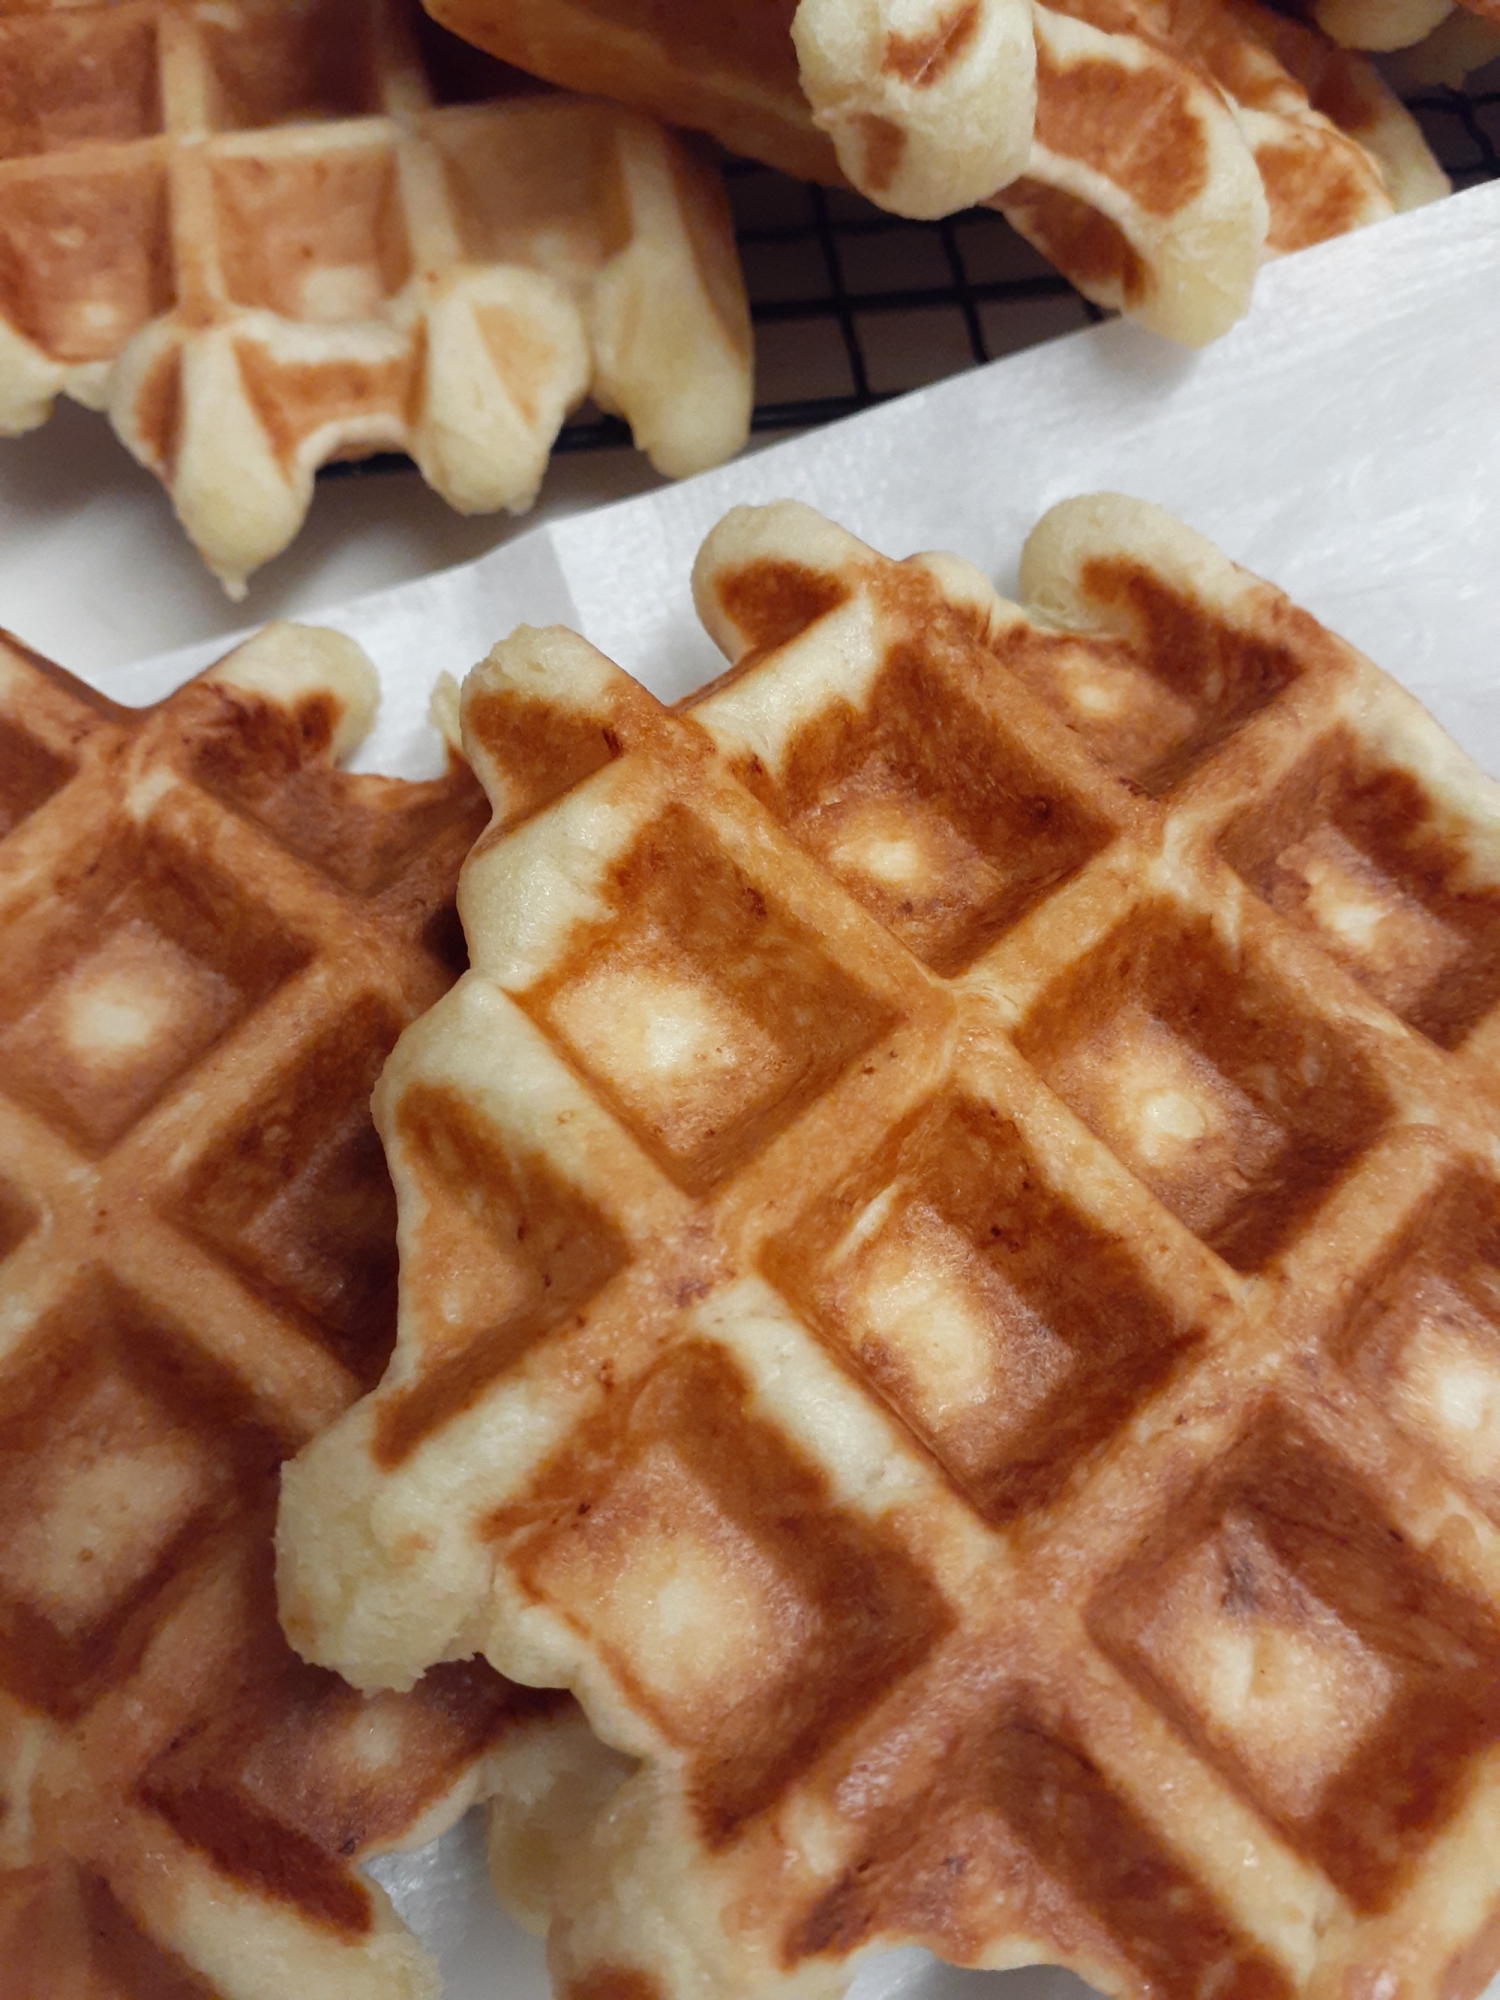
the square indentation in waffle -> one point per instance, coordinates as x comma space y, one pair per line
120, 1444
85, 254
525, 185
1238, 1106
318, 235
507, 1251
45, 1910
944, 824
288, 1771
297, 1195
312, 61
154, 958
1019, 1790
362, 836
1153, 707
1425, 1342
757, 1618
1008, 1330
1307, 1649
29, 775
18, 1215
708, 1017
1351, 848
70, 78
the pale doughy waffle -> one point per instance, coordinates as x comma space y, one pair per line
1155, 150
951, 1283
1396, 24
211, 939
257, 235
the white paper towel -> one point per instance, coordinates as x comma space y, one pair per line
1344, 441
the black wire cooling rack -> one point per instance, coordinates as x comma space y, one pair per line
852, 305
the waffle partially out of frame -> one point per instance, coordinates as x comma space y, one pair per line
266, 235
951, 1283
211, 938
1155, 150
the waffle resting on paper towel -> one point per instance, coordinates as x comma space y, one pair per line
211, 940
950, 1283
260, 237
1156, 150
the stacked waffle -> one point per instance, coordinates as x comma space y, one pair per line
265, 236
950, 1284
1155, 150
212, 938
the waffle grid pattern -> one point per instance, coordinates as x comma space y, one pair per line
212, 940
852, 305
271, 236
1146, 1619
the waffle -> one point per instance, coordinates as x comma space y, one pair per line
973, 1153
212, 938
1394, 24
265, 236
1154, 150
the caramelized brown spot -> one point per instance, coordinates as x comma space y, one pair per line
85, 257
1429, 1317
361, 829
111, 1390
1085, 245
612, 1982
1346, 829
132, 1962
1135, 126
768, 1018
540, 750
157, 413
1335, 1551
943, 824
1315, 191
265, 1854
29, 774
509, 1248
296, 1195
110, 995
1181, 685
925, 59
1239, 1107
1020, 1803
1067, 1332
881, 142
682, 1471
772, 601
18, 1217
294, 398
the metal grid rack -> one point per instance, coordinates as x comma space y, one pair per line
852, 305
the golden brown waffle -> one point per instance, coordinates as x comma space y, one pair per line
1155, 150
264, 236
951, 1283
211, 940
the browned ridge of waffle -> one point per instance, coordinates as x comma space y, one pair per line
981, 1138
266, 235
211, 939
